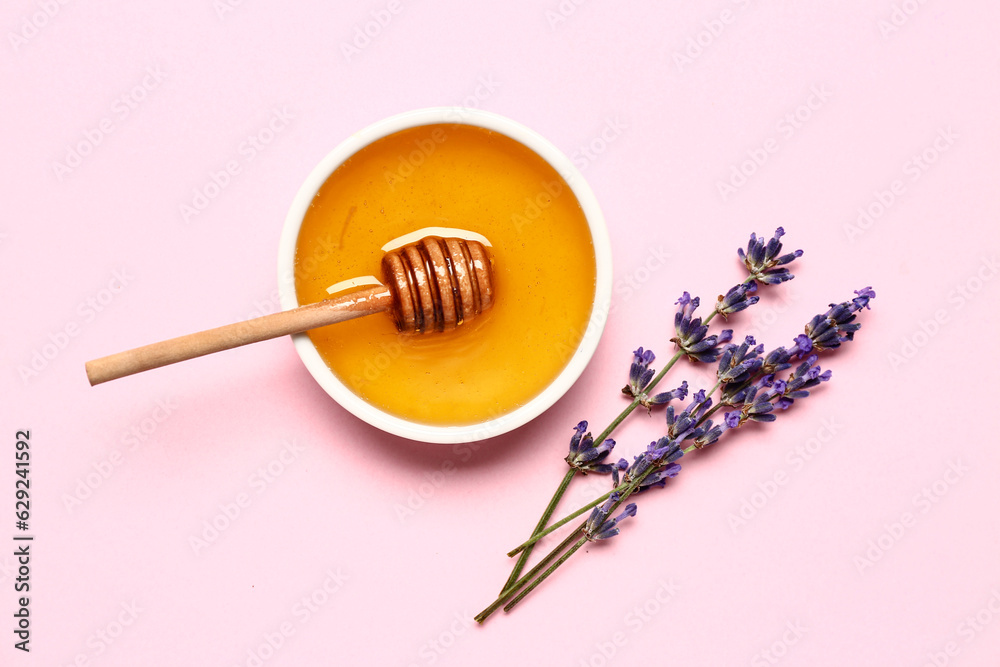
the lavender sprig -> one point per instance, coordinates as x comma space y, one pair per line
756, 402
653, 468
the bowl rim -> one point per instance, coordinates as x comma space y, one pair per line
570, 373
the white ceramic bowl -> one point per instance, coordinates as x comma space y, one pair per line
602, 297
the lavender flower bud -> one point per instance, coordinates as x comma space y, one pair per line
777, 360
616, 468
709, 434
639, 372
599, 527
754, 403
585, 455
659, 399
692, 336
658, 478
761, 259
836, 326
737, 299
658, 454
574, 442
738, 363
806, 376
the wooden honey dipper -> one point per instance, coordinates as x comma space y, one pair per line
434, 284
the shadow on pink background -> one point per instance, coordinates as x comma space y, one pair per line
226, 512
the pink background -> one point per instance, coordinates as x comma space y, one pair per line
409, 537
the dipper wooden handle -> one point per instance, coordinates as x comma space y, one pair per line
432, 285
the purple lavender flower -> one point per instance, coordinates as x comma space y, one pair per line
599, 527
737, 299
754, 403
639, 373
639, 377
801, 346
836, 326
759, 410
710, 434
682, 426
806, 376
585, 455
659, 454
762, 257
864, 295
665, 397
739, 362
616, 468
658, 478
776, 361
692, 336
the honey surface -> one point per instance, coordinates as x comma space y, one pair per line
543, 261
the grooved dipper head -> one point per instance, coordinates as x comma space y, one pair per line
438, 283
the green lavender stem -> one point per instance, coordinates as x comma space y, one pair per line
562, 522
628, 489
620, 489
525, 549
544, 575
513, 588
546, 515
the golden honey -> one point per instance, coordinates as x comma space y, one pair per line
453, 176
